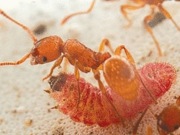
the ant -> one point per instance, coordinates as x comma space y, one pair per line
153, 4
139, 4
53, 48
82, 58
169, 119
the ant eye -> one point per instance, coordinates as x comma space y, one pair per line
44, 59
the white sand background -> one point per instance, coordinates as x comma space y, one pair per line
22, 98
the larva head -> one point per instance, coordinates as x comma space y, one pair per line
169, 119
122, 77
46, 50
57, 82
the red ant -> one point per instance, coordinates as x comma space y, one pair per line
153, 4
53, 48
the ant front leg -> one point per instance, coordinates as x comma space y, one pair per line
124, 9
147, 19
56, 64
167, 15
78, 13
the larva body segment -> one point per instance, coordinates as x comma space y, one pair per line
93, 106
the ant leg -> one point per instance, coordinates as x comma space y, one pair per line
17, 62
21, 25
148, 28
138, 122
65, 65
56, 64
102, 88
105, 42
128, 54
78, 67
76, 72
165, 13
124, 9
78, 13
131, 60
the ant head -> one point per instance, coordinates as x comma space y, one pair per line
46, 50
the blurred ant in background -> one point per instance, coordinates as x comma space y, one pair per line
138, 4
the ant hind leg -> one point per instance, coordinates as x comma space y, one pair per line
165, 12
148, 28
105, 42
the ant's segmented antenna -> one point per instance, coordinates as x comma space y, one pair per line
21, 25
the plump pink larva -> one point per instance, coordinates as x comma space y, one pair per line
93, 106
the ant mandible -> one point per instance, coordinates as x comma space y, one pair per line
153, 4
